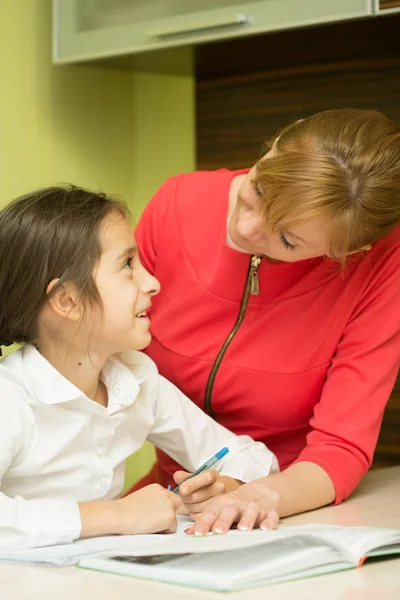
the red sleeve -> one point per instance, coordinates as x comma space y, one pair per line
150, 228
347, 420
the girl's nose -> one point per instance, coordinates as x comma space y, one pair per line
149, 284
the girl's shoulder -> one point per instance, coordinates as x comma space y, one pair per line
141, 366
14, 395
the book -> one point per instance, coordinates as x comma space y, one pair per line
240, 560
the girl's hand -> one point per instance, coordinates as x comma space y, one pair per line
197, 492
149, 510
251, 505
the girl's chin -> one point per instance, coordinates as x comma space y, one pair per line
143, 342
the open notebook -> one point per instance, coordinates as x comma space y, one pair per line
247, 559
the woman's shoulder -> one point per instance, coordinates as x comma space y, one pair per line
186, 188
387, 248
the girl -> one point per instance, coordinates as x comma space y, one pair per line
72, 409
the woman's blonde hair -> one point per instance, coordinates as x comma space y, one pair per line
343, 165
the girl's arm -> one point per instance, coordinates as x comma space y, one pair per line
191, 437
27, 522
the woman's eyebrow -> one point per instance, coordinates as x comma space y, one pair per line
298, 238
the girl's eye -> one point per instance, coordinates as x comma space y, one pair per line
256, 189
287, 244
128, 264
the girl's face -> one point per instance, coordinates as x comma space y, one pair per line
125, 288
248, 233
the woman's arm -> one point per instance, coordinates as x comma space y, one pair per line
301, 487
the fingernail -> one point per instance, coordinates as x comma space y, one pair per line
184, 489
264, 527
198, 533
243, 528
217, 530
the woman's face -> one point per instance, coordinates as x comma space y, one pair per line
248, 233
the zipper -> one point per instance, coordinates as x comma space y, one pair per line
251, 287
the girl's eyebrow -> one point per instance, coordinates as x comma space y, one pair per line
127, 252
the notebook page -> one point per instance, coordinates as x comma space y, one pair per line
357, 542
68, 554
230, 570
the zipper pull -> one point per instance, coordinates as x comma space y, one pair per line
255, 263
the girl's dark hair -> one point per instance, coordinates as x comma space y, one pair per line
52, 233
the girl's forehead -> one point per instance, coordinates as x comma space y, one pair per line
115, 234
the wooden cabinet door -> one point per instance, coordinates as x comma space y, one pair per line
386, 6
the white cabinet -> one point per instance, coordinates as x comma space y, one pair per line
90, 29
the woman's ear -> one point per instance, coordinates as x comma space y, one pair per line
64, 300
363, 249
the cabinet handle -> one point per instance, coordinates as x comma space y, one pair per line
238, 19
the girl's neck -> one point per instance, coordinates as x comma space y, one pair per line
80, 368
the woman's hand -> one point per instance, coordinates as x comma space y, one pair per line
251, 505
197, 492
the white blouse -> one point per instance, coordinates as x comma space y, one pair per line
58, 447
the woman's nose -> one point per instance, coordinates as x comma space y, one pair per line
250, 226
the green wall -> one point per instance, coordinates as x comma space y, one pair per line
120, 130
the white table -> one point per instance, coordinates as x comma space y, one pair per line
376, 502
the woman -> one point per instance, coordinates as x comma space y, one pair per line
280, 312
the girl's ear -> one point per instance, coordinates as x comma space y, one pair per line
65, 300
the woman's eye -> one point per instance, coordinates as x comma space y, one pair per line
287, 244
256, 189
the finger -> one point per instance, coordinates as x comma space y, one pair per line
172, 526
206, 519
227, 516
175, 499
204, 494
271, 521
249, 517
217, 517
199, 481
179, 476
195, 510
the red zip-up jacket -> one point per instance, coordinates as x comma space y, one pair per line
312, 365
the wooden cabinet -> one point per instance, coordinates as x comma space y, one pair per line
387, 6
92, 29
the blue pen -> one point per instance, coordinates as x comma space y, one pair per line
207, 465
